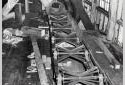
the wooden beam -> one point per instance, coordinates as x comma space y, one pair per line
117, 51
114, 75
93, 12
39, 62
120, 8
108, 54
18, 13
112, 19
79, 13
102, 11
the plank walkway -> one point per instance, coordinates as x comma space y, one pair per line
116, 76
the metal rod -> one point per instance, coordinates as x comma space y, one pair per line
60, 28
81, 78
60, 53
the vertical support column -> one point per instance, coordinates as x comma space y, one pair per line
112, 19
119, 12
118, 27
93, 12
18, 13
27, 6
97, 16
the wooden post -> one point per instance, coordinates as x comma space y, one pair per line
112, 19
119, 15
97, 16
119, 12
93, 12
18, 13
27, 6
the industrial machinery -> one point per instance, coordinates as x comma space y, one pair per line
73, 62
68, 60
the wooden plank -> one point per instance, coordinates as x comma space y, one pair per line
106, 51
115, 75
39, 63
93, 12
18, 13
98, 17
75, 27
116, 33
117, 51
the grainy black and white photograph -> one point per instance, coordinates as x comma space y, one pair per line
62, 42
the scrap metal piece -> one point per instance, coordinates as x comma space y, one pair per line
9, 38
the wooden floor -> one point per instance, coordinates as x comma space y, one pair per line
14, 64
116, 76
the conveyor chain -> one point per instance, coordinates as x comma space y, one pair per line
66, 49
